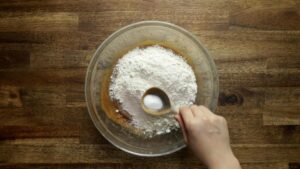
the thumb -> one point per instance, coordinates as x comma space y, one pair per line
180, 121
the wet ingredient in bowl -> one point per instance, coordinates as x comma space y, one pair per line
152, 66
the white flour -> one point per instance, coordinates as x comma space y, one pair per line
153, 102
153, 66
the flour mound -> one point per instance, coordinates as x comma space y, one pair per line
153, 66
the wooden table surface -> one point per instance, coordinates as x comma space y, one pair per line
45, 47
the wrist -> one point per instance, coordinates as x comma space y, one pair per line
225, 162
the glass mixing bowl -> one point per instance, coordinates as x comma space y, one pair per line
104, 60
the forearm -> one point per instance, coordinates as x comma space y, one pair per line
207, 135
229, 162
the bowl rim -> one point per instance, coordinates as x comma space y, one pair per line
93, 60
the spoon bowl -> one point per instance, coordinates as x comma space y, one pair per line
164, 98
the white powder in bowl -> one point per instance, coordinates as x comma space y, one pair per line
153, 102
153, 66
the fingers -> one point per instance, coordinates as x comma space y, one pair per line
198, 112
186, 114
179, 120
184, 117
206, 110
201, 111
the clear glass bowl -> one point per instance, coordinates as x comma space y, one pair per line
104, 60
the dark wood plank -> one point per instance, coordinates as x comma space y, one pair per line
141, 165
271, 79
240, 97
102, 5
75, 96
39, 41
294, 165
42, 116
37, 21
40, 122
44, 96
10, 96
197, 19
60, 58
40, 141
242, 47
282, 106
291, 62
267, 15
21, 132
73, 153
14, 58
45, 77
267, 153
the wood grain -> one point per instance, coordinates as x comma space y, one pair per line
282, 106
265, 15
45, 48
165, 165
37, 21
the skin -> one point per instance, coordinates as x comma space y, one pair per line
207, 136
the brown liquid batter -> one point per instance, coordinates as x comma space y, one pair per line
112, 108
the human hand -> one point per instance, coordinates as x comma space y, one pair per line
207, 135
